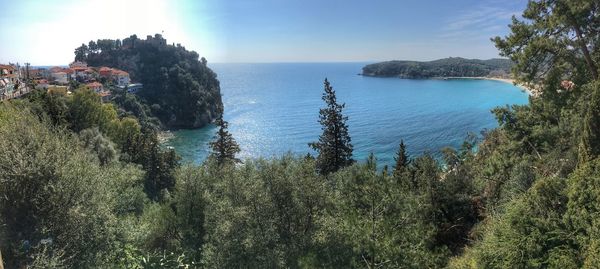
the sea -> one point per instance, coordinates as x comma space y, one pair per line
273, 109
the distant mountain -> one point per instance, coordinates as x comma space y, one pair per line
448, 67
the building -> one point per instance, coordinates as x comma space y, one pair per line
8, 79
120, 78
9, 72
96, 87
36, 73
41, 84
105, 72
106, 96
60, 77
55, 69
134, 88
79, 73
83, 74
70, 73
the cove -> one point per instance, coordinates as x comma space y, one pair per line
273, 108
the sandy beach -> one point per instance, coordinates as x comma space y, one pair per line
505, 80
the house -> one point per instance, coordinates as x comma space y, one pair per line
90, 73
79, 72
9, 72
118, 77
134, 88
60, 77
8, 78
96, 87
121, 78
41, 84
105, 95
84, 73
105, 72
36, 73
70, 73
55, 69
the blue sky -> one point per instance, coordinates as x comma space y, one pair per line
46, 32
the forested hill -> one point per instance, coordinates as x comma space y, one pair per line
182, 91
448, 67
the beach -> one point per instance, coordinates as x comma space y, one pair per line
505, 80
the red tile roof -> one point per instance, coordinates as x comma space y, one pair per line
56, 69
94, 85
120, 72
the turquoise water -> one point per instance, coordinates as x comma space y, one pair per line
273, 109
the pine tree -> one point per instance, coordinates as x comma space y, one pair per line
334, 147
401, 159
224, 147
589, 147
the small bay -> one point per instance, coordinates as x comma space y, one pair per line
273, 108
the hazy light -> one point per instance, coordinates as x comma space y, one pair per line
46, 33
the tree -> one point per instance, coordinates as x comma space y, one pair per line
81, 52
160, 164
554, 34
224, 148
93, 140
57, 197
589, 147
86, 110
401, 159
334, 145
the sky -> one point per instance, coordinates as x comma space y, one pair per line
47, 32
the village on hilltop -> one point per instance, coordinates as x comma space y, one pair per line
17, 80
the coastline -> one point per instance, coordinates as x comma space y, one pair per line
505, 80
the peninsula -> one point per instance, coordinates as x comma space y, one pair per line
452, 67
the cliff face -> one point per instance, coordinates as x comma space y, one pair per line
449, 67
182, 90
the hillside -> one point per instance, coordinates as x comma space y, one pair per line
84, 187
448, 67
182, 91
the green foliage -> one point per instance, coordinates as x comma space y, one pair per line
590, 138
334, 145
54, 192
224, 148
401, 159
93, 140
130, 105
85, 184
263, 214
185, 91
449, 67
531, 233
193, 184
385, 225
160, 164
583, 210
50, 104
86, 110
554, 35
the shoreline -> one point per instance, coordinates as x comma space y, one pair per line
505, 80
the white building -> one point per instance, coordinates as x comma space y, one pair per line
121, 78
60, 77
